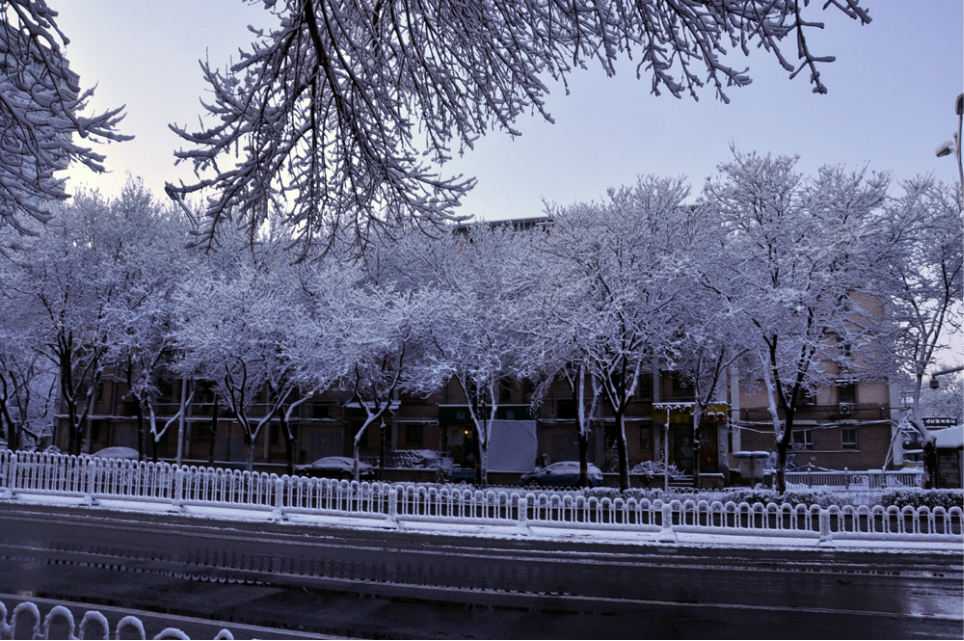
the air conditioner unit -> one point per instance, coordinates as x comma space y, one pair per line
846, 409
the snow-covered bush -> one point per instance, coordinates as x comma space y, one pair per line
915, 497
656, 468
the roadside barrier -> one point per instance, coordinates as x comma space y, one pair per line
60, 624
91, 480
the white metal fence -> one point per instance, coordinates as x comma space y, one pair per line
92, 479
847, 480
60, 624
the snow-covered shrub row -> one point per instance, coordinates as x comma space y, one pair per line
914, 497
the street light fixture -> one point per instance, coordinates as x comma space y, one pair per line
935, 384
954, 146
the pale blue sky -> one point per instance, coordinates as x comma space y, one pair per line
891, 102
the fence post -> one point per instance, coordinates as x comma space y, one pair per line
393, 507
10, 479
278, 514
846, 478
667, 534
178, 499
826, 536
91, 477
523, 516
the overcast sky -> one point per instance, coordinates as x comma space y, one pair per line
890, 104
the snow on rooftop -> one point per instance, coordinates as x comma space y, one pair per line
951, 438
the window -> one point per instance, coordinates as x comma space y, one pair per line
528, 389
848, 438
646, 437
95, 430
204, 392
846, 392
808, 397
681, 389
644, 387
505, 390
275, 434
414, 435
802, 439
202, 433
566, 409
320, 409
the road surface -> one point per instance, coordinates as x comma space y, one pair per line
368, 583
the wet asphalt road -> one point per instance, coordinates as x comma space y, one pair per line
379, 584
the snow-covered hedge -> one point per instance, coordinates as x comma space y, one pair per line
914, 497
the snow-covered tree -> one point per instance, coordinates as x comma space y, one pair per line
472, 337
28, 382
138, 318
623, 252
712, 331
552, 345
40, 112
65, 280
925, 281
328, 109
800, 270
234, 323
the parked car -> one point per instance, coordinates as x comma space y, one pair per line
126, 453
561, 474
463, 475
336, 467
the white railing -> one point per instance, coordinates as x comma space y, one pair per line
847, 480
60, 624
92, 480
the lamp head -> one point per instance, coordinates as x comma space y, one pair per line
945, 148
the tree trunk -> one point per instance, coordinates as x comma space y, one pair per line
139, 414
622, 452
584, 458
249, 443
697, 415
182, 423
484, 462
356, 452
381, 450
783, 445
289, 444
930, 465
214, 431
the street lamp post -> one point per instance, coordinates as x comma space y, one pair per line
947, 147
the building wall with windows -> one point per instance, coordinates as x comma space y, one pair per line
847, 425
840, 426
